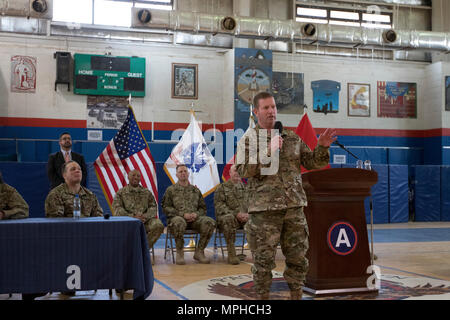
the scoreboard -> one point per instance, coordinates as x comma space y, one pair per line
108, 75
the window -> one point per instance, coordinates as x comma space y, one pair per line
103, 12
112, 13
354, 17
79, 11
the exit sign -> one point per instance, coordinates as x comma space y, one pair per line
108, 75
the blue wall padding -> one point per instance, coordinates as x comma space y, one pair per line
432, 151
30, 179
427, 193
94, 186
380, 195
405, 156
445, 193
378, 156
398, 193
446, 157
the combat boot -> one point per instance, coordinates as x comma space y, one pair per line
180, 252
199, 255
232, 258
296, 294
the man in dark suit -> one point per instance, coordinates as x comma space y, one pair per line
56, 160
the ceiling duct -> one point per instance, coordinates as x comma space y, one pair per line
289, 30
42, 9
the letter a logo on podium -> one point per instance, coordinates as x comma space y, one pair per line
342, 238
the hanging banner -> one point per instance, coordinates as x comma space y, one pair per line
23, 74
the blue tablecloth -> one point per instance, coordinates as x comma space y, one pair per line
35, 255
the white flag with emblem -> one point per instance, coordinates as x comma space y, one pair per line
193, 152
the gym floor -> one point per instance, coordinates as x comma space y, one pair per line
413, 257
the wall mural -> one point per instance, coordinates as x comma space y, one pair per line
23, 74
288, 90
252, 74
397, 99
325, 96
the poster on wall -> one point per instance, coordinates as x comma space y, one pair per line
252, 74
326, 96
288, 91
106, 112
358, 95
184, 81
23, 74
397, 99
447, 93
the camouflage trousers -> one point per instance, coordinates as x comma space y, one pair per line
203, 225
228, 224
266, 230
154, 228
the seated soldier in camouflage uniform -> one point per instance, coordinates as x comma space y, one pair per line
59, 202
12, 205
138, 202
185, 207
230, 202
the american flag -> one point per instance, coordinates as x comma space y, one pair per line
127, 151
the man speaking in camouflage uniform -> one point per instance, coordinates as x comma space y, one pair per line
138, 202
230, 202
271, 162
12, 205
185, 207
59, 202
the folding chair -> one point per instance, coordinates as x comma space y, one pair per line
240, 232
169, 241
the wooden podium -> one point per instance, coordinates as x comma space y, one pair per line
338, 243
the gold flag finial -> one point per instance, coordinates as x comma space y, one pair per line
191, 110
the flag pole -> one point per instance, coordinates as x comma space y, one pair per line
191, 245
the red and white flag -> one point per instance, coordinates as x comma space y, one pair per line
127, 151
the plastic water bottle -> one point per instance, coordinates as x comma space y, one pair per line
76, 207
359, 164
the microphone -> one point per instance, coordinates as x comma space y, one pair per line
278, 126
342, 147
106, 215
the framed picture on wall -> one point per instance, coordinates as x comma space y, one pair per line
397, 99
184, 81
358, 95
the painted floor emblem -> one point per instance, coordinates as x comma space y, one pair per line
393, 287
